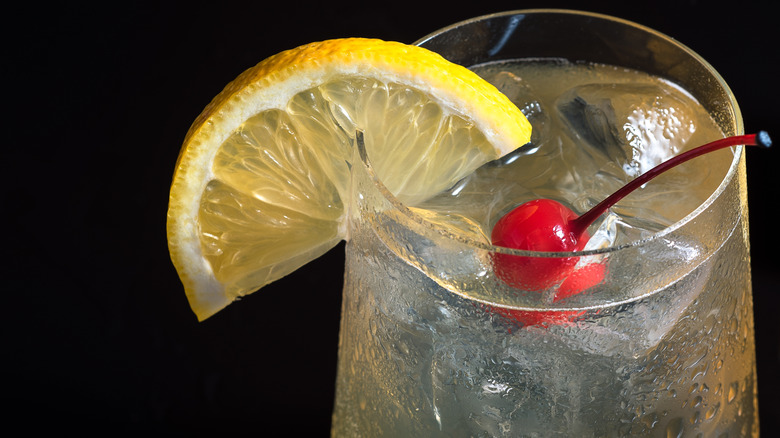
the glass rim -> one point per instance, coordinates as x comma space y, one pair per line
727, 178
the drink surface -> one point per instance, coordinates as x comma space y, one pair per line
419, 357
595, 127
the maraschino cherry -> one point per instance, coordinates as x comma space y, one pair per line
547, 225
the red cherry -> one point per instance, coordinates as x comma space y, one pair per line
540, 318
546, 225
539, 225
582, 278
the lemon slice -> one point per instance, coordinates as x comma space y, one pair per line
260, 186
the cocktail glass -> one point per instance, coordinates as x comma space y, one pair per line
663, 346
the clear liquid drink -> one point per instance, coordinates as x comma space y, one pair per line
434, 343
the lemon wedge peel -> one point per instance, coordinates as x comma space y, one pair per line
270, 85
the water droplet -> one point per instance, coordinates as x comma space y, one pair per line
733, 391
650, 420
675, 428
712, 411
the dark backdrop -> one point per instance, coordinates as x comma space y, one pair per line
97, 101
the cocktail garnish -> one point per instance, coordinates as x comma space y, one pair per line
547, 225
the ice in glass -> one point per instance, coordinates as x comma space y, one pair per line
658, 343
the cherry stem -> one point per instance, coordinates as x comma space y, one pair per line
579, 225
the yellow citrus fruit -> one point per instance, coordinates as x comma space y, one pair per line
260, 186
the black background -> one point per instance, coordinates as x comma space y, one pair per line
98, 334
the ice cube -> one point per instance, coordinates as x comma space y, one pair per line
634, 126
604, 236
521, 95
593, 120
637, 327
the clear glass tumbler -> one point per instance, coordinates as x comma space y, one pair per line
664, 346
